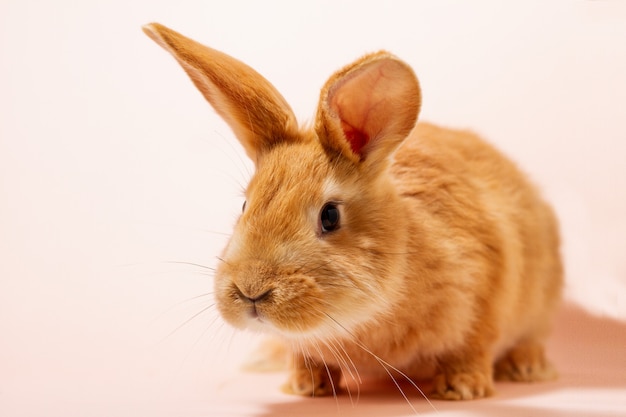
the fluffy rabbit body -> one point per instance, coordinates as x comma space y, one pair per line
369, 243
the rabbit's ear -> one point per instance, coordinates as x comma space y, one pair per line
368, 108
253, 108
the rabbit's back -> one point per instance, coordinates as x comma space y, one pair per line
484, 215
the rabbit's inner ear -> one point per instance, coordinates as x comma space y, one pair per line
372, 105
357, 139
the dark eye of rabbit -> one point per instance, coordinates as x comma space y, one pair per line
329, 217
243, 207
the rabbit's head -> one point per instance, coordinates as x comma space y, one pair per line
321, 244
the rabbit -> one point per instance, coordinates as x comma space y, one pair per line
371, 244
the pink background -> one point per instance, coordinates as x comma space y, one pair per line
112, 166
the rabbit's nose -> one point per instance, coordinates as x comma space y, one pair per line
253, 296
260, 297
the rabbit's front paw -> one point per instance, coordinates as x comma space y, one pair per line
313, 381
462, 386
526, 363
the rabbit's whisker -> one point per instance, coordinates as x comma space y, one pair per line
200, 337
317, 268
180, 303
386, 366
330, 375
219, 258
344, 361
183, 324
191, 264
349, 363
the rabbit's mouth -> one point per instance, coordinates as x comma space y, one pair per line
288, 304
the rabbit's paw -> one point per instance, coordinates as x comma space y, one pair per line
462, 386
525, 363
313, 382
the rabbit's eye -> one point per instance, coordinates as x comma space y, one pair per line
243, 207
329, 217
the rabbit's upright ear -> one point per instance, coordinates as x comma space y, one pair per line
368, 108
253, 108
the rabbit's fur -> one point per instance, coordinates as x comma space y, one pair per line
445, 262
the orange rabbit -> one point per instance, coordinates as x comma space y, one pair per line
370, 243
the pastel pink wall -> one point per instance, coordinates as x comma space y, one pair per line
111, 164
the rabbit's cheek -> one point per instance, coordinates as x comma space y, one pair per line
228, 302
296, 306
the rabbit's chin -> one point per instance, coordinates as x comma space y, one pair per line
326, 327
266, 327
260, 323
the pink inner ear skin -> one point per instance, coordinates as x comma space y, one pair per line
355, 137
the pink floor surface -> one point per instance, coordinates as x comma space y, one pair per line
589, 351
